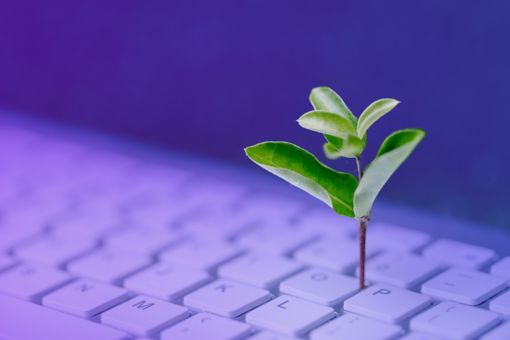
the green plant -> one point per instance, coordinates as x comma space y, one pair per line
346, 136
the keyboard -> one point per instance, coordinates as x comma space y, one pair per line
109, 239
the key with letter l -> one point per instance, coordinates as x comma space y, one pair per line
290, 315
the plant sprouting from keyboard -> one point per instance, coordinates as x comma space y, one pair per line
345, 136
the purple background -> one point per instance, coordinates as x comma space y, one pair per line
211, 77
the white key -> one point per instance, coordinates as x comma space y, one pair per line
320, 286
499, 333
207, 326
166, 282
227, 298
395, 238
279, 240
219, 226
267, 335
108, 266
458, 254
290, 315
502, 268
328, 223
454, 321
145, 241
387, 303
402, 271
53, 251
12, 236
144, 315
30, 281
350, 326
6, 262
85, 298
259, 270
27, 320
337, 255
200, 254
418, 336
463, 285
501, 303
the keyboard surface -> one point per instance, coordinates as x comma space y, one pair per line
104, 243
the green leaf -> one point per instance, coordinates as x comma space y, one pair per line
393, 152
325, 99
327, 123
349, 147
301, 169
373, 112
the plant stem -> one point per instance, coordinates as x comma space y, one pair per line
358, 166
362, 234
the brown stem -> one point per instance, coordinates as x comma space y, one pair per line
363, 223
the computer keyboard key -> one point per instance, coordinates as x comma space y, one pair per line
31, 281
501, 268
13, 236
464, 285
144, 315
26, 320
321, 286
337, 255
395, 238
458, 254
108, 266
418, 336
274, 239
387, 303
264, 271
226, 298
501, 332
53, 251
85, 298
402, 271
207, 326
501, 303
454, 321
289, 315
350, 326
6, 262
166, 281
327, 223
145, 241
200, 255
267, 335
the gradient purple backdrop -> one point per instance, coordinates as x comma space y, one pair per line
212, 77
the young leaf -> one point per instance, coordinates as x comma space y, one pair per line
392, 153
325, 99
301, 169
373, 112
327, 123
349, 147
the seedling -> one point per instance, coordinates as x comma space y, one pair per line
346, 136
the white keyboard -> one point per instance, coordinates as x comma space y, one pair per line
104, 244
